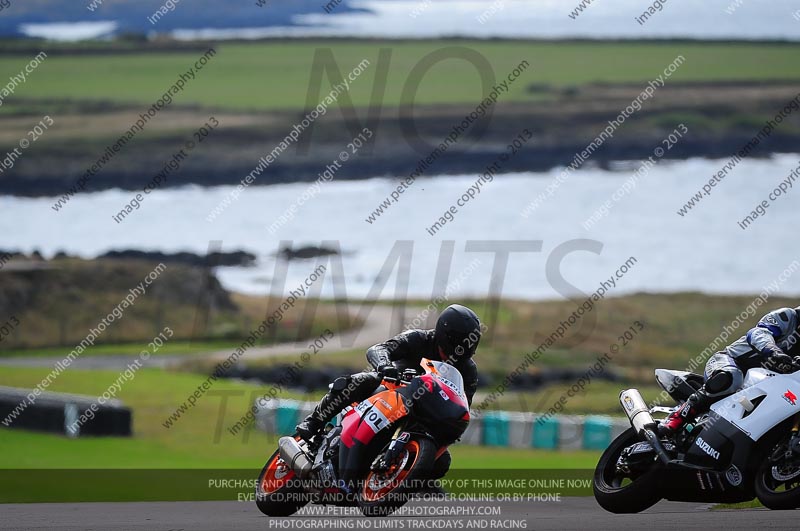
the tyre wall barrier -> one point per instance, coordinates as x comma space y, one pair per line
509, 429
61, 413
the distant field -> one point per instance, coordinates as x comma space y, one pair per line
676, 327
269, 75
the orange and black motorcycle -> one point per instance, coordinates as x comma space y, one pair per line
379, 455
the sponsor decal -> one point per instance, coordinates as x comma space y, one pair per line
707, 448
362, 407
641, 447
700, 480
281, 469
734, 476
790, 397
628, 403
449, 384
376, 420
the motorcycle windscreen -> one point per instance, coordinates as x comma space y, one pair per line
366, 429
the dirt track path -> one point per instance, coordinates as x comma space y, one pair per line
378, 325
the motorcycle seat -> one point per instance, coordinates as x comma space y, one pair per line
679, 384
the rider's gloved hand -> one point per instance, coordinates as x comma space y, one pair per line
389, 371
779, 362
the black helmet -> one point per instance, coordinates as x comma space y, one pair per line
458, 331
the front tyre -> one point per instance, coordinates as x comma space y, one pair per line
278, 491
624, 492
382, 493
777, 482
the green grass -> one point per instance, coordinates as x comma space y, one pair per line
752, 504
272, 75
34, 466
677, 327
171, 348
154, 394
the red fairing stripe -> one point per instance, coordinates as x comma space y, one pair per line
349, 425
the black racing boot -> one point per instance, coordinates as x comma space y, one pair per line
313, 424
309, 427
344, 390
329, 406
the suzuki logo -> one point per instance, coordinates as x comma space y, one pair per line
707, 448
790, 397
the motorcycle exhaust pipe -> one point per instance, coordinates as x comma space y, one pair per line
294, 456
637, 411
642, 421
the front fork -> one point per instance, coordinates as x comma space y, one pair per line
793, 449
399, 441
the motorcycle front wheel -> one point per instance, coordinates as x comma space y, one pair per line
778, 477
382, 493
621, 493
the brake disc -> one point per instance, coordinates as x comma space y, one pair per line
377, 482
778, 474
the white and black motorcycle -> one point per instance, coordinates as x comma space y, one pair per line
746, 446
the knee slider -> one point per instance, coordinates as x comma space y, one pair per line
340, 383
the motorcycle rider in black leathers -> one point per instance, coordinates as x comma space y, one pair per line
771, 344
454, 340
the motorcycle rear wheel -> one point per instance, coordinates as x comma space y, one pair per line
278, 492
622, 494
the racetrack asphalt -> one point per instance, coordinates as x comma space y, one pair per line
567, 514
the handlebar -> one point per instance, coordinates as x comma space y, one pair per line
405, 377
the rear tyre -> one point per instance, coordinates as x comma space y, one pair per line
380, 494
278, 491
621, 493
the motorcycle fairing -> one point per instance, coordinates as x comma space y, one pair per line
368, 424
772, 396
719, 444
374, 414
687, 485
734, 425
441, 410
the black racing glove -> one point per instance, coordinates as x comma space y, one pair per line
389, 371
779, 362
